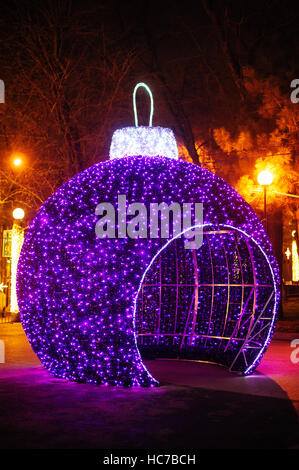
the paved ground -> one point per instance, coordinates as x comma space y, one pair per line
197, 405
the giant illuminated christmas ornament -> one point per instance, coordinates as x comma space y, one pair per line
92, 307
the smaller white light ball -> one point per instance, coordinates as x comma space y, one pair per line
265, 178
18, 214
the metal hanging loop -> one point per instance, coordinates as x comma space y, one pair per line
144, 85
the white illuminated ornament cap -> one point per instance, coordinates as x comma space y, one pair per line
149, 141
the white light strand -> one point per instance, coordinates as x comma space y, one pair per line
285, 194
258, 190
295, 262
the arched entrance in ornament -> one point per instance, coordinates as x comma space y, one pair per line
215, 304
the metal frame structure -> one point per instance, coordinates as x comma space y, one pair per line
227, 311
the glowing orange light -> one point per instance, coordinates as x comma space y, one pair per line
17, 161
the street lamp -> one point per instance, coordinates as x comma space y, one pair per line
18, 213
265, 178
17, 161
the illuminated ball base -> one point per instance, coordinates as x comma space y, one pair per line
77, 293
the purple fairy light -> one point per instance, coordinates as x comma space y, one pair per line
93, 307
77, 293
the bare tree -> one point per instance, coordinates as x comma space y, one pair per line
63, 86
